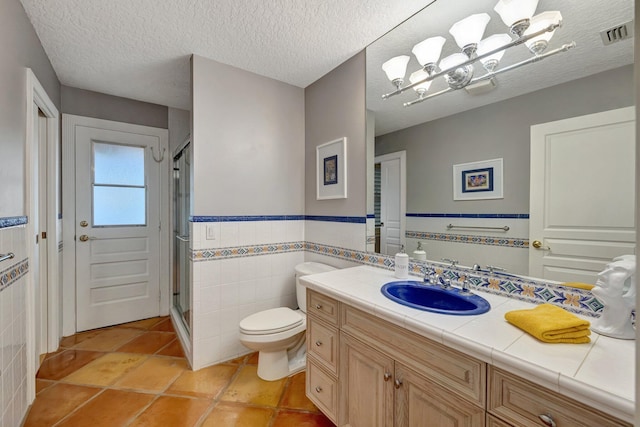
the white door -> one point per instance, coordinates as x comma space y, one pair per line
392, 202
117, 227
582, 205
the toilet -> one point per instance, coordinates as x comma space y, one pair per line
278, 334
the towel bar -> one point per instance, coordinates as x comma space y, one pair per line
4, 257
505, 228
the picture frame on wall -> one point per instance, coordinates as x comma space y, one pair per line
331, 170
478, 180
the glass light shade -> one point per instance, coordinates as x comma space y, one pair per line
428, 51
453, 60
396, 67
470, 30
491, 43
512, 11
416, 77
540, 22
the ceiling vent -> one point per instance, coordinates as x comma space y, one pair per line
617, 33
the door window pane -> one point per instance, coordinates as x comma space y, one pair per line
118, 164
119, 191
118, 206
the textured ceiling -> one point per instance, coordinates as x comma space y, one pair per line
140, 48
582, 22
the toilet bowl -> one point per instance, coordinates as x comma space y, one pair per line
278, 334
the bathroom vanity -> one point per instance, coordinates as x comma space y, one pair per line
373, 362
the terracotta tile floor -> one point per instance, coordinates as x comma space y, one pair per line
136, 375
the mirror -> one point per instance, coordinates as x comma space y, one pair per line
465, 126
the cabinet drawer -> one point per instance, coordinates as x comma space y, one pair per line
448, 368
521, 402
322, 306
322, 343
496, 422
322, 389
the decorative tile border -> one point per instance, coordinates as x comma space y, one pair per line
244, 251
13, 221
472, 239
13, 274
526, 289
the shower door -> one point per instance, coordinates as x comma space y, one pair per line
181, 240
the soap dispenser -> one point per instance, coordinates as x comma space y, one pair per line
402, 265
420, 254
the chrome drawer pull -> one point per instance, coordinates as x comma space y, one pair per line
318, 306
319, 389
318, 343
547, 420
387, 376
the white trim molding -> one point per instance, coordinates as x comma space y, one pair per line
37, 96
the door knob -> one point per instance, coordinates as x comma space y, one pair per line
84, 238
83, 223
538, 245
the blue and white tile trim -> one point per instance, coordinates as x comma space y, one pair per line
470, 239
468, 215
12, 274
527, 289
347, 219
13, 221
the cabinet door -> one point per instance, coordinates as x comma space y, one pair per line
422, 403
366, 385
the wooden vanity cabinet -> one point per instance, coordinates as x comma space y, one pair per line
518, 402
387, 376
363, 371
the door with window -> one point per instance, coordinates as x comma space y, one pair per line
117, 227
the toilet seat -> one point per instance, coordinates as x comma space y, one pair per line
271, 321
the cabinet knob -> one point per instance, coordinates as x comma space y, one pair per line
318, 343
397, 383
318, 306
387, 376
547, 420
319, 389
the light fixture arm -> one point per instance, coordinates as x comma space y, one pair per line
492, 74
470, 61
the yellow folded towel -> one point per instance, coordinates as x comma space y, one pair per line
579, 285
551, 324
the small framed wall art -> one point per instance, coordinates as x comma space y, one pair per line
478, 180
331, 170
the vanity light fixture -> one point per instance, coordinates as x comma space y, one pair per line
458, 69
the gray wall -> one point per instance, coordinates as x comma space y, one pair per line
179, 127
101, 106
335, 107
248, 142
498, 130
19, 48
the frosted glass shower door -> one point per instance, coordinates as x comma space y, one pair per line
181, 242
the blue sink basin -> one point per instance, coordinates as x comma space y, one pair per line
433, 298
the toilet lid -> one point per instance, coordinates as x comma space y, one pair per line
271, 321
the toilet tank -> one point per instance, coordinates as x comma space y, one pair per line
305, 269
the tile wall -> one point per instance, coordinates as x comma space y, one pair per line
13, 370
243, 265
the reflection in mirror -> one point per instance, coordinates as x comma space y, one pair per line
562, 127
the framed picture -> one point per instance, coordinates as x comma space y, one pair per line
331, 170
478, 180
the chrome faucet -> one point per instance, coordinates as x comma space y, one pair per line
453, 262
465, 287
493, 268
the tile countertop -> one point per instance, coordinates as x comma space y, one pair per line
600, 374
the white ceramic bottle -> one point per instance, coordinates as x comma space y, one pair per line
419, 254
402, 265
